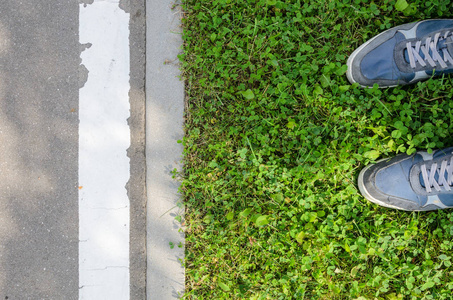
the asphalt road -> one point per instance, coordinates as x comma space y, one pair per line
39, 85
40, 78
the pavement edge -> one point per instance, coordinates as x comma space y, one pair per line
164, 127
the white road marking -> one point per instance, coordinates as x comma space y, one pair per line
104, 137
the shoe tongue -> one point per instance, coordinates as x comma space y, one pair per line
406, 56
443, 43
420, 52
422, 182
436, 177
449, 44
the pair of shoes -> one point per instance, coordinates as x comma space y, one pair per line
403, 55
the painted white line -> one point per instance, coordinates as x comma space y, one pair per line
104, 137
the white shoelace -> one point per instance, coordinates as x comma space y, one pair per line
444, 181
430, 44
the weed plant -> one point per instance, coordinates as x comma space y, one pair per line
275, 139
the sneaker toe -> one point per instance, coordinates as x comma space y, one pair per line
387, 183
374, 61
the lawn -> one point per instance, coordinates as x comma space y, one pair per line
275, 139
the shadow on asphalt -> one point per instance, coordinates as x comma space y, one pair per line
39, 59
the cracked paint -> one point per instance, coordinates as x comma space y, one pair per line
83, 77
86, 2
104, 138
125, 5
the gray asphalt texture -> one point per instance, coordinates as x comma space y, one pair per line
136, 186
39, 59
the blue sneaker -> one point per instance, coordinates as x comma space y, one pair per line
404, 54
416, 182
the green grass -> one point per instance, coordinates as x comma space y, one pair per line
275, 139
